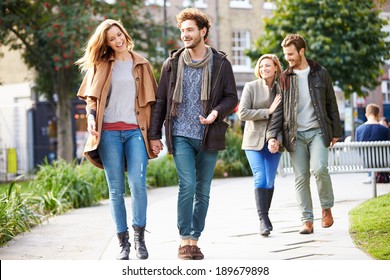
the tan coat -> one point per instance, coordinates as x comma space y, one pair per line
253, 109
94, 90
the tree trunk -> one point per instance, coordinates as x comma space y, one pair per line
65, 144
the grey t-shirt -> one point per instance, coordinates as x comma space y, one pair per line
121, 104
306, 118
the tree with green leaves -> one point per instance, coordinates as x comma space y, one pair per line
344, 36
51, 36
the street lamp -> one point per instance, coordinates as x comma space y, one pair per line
165, 34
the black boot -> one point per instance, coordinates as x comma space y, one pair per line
139, 243
269, 195
124, 243
262, 210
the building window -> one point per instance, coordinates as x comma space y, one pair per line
157, 2
241, 42
240, 4
386, 91
269, 5
200, 4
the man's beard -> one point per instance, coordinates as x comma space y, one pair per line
194, 44
297, 62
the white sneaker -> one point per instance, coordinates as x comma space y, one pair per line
367, 180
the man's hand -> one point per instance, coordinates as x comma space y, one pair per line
210, 118
334, 141
273, 145
156, 145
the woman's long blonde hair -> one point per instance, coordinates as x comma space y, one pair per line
97, 49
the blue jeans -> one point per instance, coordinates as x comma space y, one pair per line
264, 165
195, 170
311, 154
118, 150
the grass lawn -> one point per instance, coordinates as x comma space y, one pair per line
370, 227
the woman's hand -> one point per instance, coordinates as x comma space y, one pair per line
275, 103
273, 145
92, 125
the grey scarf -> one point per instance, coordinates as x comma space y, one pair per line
185, 57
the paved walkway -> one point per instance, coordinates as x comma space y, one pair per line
231, 228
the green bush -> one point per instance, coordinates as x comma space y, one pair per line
162, 172
17, 213
232, 161
62, 186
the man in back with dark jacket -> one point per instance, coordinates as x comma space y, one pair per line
309, 121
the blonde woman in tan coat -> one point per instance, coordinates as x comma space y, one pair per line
258, 101
119, 89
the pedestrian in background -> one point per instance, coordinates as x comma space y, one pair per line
259, 100
309, 119
372, 130
196, 92
119, 88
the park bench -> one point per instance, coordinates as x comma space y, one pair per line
351, 157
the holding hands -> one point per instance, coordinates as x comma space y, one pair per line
157, 146
273, 145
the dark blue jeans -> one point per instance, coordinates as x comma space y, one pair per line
195, 170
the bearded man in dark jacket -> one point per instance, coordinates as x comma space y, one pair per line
307, 122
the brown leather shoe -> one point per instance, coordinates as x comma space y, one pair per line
327, 219
185, 252
196, 253
307, 228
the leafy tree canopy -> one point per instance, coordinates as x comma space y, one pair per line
345, 36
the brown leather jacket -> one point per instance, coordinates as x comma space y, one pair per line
95, 88
223, 99
284, 119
